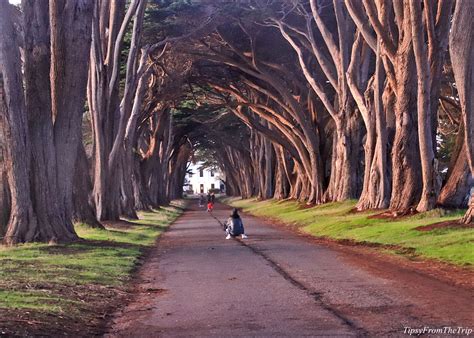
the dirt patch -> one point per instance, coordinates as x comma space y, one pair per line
122, 224
84, 313
394, 215
444, 225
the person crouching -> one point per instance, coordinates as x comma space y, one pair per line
234, 225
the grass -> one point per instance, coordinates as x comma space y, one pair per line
336, 221
76, 278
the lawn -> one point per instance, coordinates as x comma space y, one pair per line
337, 221
72, 288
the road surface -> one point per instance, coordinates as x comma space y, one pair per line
276, 283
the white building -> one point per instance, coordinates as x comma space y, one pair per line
200, 180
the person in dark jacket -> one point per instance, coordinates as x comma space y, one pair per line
234, 225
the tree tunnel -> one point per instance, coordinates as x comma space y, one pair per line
313, 100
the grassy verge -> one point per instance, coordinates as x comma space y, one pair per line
52, 289
336, 221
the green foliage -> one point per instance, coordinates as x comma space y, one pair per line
164, 18
336, 221
207, 127
207, 157
46, 278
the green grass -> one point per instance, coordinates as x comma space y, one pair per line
77, 277
335, 221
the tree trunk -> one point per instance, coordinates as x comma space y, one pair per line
269, 169
429, 175
83, 208
461, 46
281, 181
345, 180
126, 188
140, 191
406, 179
5, 200
456, 191
376, 191
104, 100
71, 23
22, 225
53, 222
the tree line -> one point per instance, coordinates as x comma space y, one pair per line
83, 137
102, 104
347, 100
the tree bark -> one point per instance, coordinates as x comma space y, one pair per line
406, 178
461, 50
269, 169
345, 182
456, 191
53, 222
83, 207
429, 192
71, 23
22, 225
5, 199
281, 180
104, 103
376, 188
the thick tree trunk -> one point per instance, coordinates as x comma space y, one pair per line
461, 50
22, 225
429, 175
456, 191
71, 23
406, 180
53, 222
345, 180
376, 191
104, 99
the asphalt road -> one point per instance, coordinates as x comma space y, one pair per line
275, 283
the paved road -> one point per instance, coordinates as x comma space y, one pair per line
275, 283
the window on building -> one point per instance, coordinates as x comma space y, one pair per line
201, 173
212, 186
201, 189
212, 174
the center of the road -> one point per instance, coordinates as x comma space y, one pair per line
317, 296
